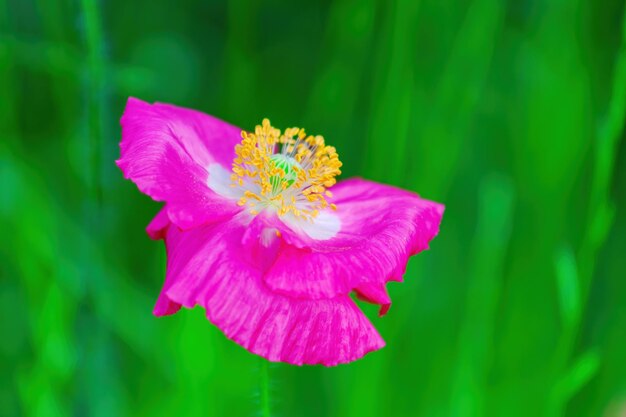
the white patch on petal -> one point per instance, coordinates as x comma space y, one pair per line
268, 235
325, 226
219, 181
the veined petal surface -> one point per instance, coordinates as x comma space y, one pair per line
381, 227
207, 267
167, 150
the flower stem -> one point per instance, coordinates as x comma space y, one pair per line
264, 387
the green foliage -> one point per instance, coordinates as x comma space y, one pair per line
510, 112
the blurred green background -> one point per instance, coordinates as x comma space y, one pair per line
509, 112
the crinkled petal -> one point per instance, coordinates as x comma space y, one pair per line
158, 225
381, 227
167, 151
375, 293
157, 230
207, 267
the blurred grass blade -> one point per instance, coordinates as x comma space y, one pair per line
264, 387
496, 201
393, 91
599, 222
445, 119
574, 380
608, 137
568, 286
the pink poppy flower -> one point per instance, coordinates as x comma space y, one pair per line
258, 233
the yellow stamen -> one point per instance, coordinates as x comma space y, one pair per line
290, 172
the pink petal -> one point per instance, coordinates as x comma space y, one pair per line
381, 227
375, 293
158, 225
157, 229
206, 267
166, 151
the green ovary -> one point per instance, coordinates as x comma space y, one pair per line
286, 164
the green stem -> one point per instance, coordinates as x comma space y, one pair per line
264, 387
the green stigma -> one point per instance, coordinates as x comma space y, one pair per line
286, 164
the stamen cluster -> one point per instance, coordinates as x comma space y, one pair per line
290, 172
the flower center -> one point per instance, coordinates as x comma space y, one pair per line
288, 172
285, 164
